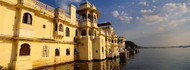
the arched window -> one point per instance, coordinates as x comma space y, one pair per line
89, 16
67, 32
67, 51
90, 32
76, 33
84, 16
57, 53
25, 50
27, 18
83, 33
112, 41
61, 27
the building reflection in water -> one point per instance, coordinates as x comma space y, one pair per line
109, 64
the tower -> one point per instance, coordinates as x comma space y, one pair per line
88, 29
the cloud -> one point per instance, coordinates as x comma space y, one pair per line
115, 13
126, 19
167, 25
155, 7
147, 11
153, 1
122, 7
143, 3
151, 19
64, 4
169, 14
75, 1
123, 16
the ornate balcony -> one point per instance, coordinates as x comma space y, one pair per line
84, 23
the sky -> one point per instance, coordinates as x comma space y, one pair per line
149, 23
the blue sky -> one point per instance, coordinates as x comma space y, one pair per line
146, 22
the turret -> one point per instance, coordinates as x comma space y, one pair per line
88, 12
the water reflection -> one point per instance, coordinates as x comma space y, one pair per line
109, 64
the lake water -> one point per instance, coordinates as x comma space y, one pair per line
147, 59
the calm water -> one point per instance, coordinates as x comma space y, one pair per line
147, 59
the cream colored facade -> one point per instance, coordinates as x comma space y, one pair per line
34, 34
121, 44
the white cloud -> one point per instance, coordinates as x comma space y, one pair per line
115, 13
123, 13
126, 19
143, 3
147, 11
152, 19
170, 14
64, 4
75, 0
123, 16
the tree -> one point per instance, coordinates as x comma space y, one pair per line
130, 45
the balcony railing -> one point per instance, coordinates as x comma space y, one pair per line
40, 6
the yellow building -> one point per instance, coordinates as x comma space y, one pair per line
34, 34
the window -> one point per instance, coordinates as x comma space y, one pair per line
25, 50
95, 33
89, 16
84, 16
95, 17
56, 27
45, 52
112, 41
102, 49
67, 51
110, 50
96, 51
67, 32
61, 27
75, 51
76, 33
115, 41
44, 26
75, 40
57, 53
90, 32
27, 18
83, 33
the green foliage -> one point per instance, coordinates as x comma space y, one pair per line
130, 45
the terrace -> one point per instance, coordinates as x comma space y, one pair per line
44, 8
